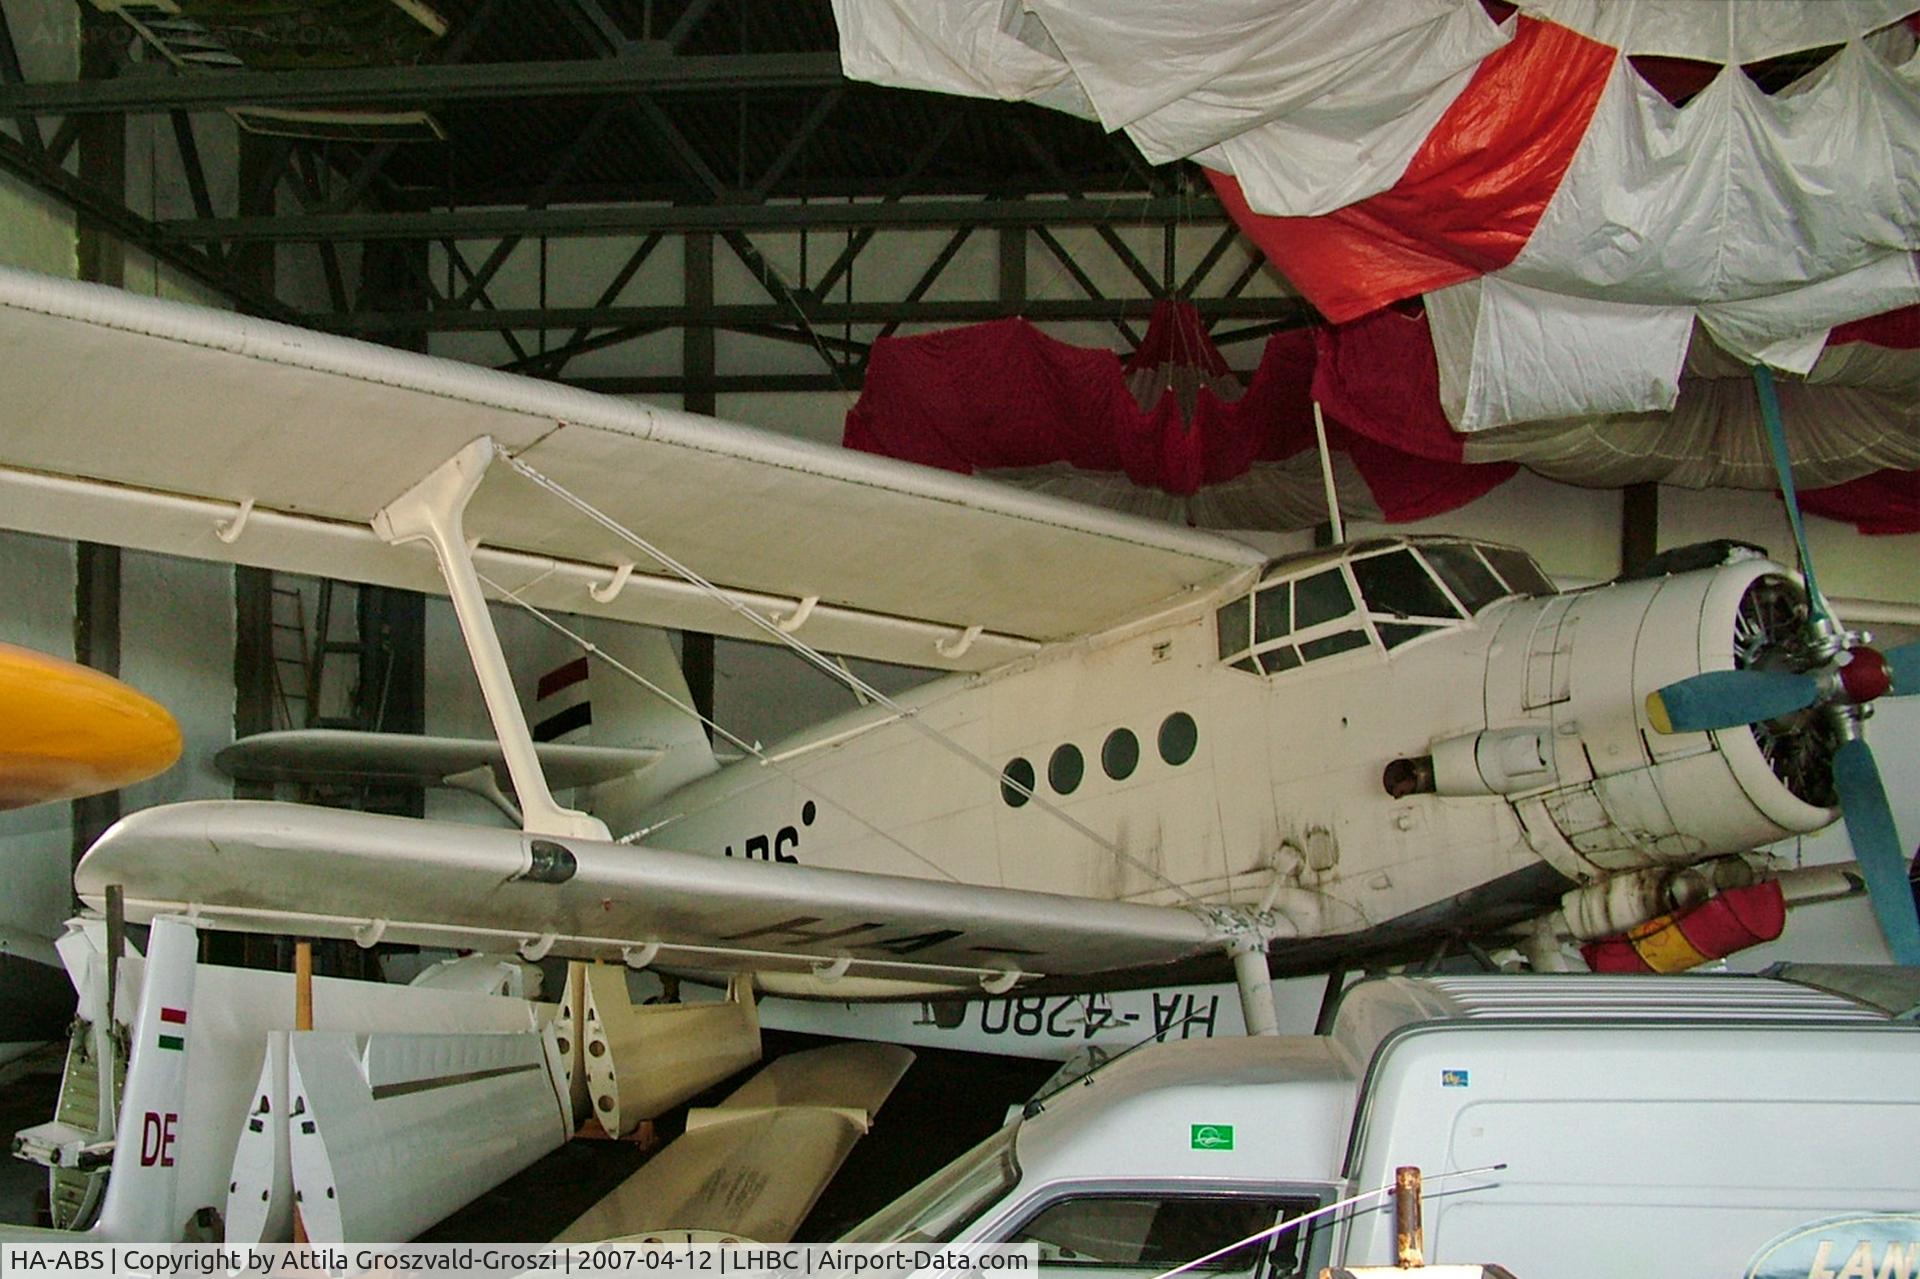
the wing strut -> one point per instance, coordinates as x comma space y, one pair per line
431, 512
1256, 986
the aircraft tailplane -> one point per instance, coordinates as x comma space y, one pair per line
591, 700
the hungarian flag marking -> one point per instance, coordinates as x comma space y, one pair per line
173, 1017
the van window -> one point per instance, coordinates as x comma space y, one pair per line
1154, 1233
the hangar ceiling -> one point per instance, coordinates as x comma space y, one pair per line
482, 126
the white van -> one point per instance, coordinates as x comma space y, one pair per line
1698, 1127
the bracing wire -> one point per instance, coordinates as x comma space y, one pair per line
751, 748
832, 670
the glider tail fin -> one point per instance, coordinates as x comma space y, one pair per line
142, 1187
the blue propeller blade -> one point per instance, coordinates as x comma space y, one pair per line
1723, 699
1783, 470
1904, 662
1876, 846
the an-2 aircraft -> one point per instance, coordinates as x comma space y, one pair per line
1158, 748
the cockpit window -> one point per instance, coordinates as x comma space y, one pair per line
1320, 598
1283, 618
1272, 617
1398, 585
1465, 574
1282, 658
1233, 626
1522, 574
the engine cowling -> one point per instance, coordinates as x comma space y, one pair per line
1572, 672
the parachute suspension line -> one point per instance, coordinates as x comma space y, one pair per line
751, 748
825, 664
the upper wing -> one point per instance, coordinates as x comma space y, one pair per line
322, 872
149, 423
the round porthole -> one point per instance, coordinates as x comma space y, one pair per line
1017, 774
1120, 754
1179, 735
1065, 769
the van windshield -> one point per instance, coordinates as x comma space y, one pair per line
946, 1203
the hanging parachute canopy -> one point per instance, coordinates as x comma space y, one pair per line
1170, 433
1571, 227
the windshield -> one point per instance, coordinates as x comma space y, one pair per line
946, 1203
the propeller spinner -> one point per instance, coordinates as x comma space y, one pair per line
1807, 685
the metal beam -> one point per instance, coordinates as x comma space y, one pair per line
478, 291
1087, 286
100, 255
190, 165
682, 219
549, 363
1210, 259
1120, 248
697, 354
569, 160
930, 276
453, 51
308, 191
896, 190
96, 643
738, 316
10, 73
424, 85
723, 384
131, 228
1639, 525
822, 108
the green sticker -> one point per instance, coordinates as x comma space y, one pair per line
1212, 1136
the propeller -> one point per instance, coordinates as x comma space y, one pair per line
1824, 675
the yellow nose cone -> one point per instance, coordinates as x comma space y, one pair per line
67, 731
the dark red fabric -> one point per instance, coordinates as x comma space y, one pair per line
1736, 919
1378, 379
1899, 330
1004, 394
1471, 196
1177, 335
1727, 922
1675, 79
1614, 955
1885, 502
996, 394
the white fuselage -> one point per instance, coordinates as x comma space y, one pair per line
1252, 787
1282, 768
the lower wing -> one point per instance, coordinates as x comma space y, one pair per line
293, 869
